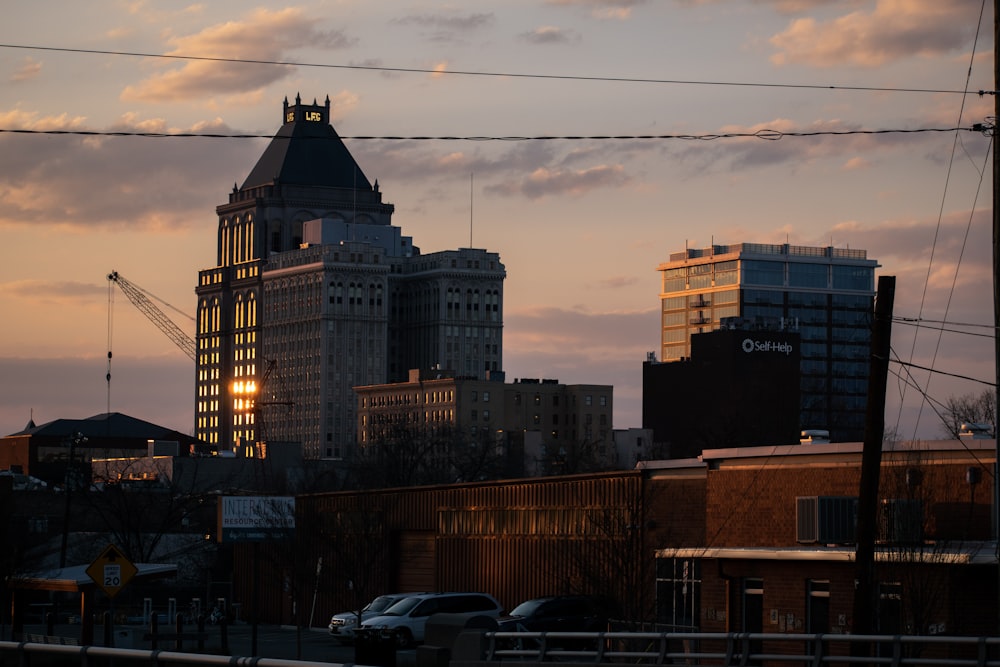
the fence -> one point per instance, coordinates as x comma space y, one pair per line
732, 649
28, 653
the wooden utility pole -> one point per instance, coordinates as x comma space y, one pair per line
996, 287
865, 590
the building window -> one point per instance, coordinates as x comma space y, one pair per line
486, 397
486, 415
604, 401
678, 593
475, 397
588, 400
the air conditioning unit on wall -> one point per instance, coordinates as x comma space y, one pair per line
826, 519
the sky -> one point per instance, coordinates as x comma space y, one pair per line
810, 122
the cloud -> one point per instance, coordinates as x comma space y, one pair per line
28, 69
617, 282
545, 182
51, 292
856, 163
76, 388
607, 348
80, 182
961, 272
448, 21
801, 6
603, 9
447, 27
265, 36
550, 328
831, 141
549, 35
892, 31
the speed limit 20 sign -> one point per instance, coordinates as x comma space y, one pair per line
111, 570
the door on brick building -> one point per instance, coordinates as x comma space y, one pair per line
890, 614
753, 611
817, 609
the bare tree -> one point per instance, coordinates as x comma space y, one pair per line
923, 521
612, 556
969, 408
577, 456
417, 456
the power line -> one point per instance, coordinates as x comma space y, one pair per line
511, 75
944, 329
919, 321
936, 371
767, 135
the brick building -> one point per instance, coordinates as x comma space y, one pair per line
779, 554
757, 539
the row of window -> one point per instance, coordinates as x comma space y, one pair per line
763, 272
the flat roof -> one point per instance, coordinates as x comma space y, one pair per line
974, 553
75, 578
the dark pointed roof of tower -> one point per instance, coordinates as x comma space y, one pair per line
307, 151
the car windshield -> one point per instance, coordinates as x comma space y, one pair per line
381, 603
527, 608
402, 607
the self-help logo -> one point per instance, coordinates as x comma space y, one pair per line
750, 345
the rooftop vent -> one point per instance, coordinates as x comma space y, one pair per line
975, 431
814, 436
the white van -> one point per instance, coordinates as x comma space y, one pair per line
406, 620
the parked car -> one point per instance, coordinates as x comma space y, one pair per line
343, 625
560, 613
405, 621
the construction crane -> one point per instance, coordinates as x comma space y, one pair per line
263, 400
138, 297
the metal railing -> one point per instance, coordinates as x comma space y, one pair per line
22, 652
732, 649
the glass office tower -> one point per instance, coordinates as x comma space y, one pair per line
826, 294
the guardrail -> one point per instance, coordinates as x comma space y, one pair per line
85, 655
731, 649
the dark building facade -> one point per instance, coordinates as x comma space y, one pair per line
49, 450
738, 388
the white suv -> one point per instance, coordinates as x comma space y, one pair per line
343, 625
406, 620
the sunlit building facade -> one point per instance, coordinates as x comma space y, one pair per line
316, 292
826, 294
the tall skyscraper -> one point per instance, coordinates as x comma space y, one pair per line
824, 293
315, 292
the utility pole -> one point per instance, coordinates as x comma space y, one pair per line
865, 590
996, 287
72, 480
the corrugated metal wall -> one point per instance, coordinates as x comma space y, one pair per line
514, 539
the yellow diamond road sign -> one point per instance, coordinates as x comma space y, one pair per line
111, 570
